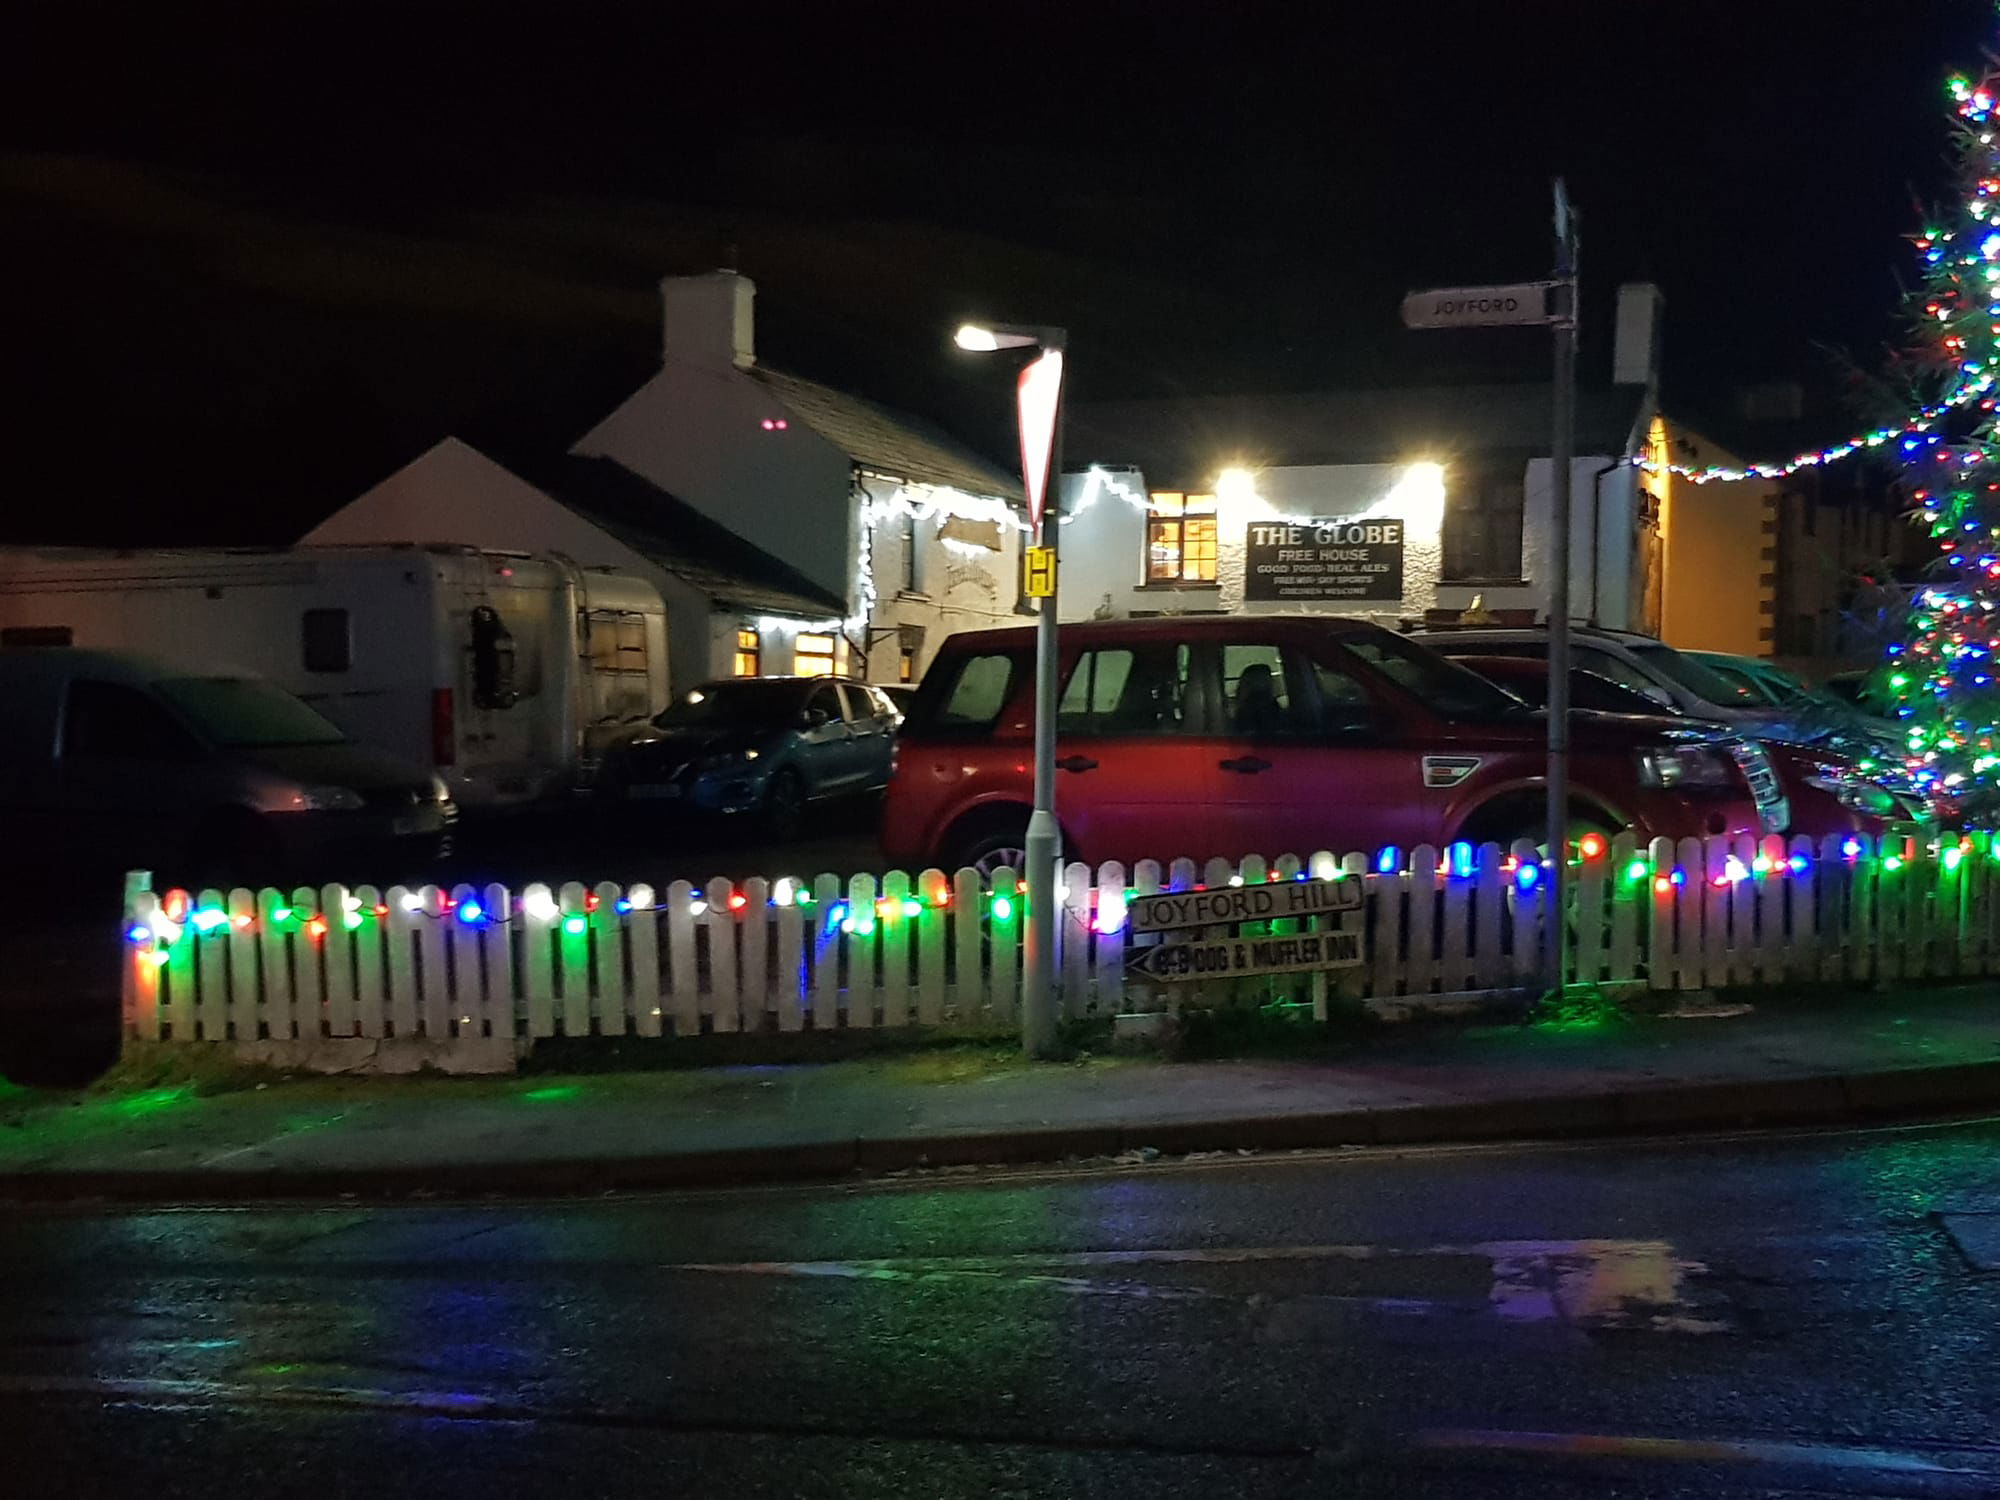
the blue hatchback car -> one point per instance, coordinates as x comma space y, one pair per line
765, 746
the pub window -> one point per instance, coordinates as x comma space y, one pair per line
1180, 538
812, 656
906, 666
1482, 531
749, 654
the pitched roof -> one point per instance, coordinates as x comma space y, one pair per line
677, 537
889, 442
1186, 440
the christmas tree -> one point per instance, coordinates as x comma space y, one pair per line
1942, 677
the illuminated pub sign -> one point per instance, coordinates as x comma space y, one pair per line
1324, 557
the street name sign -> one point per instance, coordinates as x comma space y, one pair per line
1479, 306
1233, 958
1229, 904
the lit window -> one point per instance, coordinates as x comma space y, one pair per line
749, 654
812, 656
1180, 538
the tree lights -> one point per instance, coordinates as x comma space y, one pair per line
1942, 677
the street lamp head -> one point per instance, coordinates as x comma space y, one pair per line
981, 339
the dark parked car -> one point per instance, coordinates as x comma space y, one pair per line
767, 746
1825, 792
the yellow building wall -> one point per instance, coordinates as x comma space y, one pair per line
1718, 544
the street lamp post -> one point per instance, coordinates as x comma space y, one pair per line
1041, 421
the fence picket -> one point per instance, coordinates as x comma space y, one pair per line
1830, 900
1716, 854
858, 938
789, 916
466, 996
139, 988
1489, 897
342, 912
1629, 898
934, 892
1107, 992
971, 995
496, 941
1862, 886
896, 926
179, 969
1771, 893
1587, 912
572, 960
211, 967
1892, 910
246, 980
399, 957
539, 919
1456, 970
308, 990
825, 937
1800, 959
1664, 936
642, 945
1003, 939
1420, 920
433, 998
1390, 890
1351, 983
753, 954
716, 926
1073, 937
1524, 905
607, 936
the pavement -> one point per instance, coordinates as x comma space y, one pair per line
1857, 1057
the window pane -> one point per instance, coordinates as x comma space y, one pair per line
1167, 503
1198, 549
1200, 505
812, 656
1258, 699
1122, 691
327, 641
1163, 551
248, 712
977, 694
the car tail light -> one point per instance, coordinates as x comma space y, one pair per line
444, 728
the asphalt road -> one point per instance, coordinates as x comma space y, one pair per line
1795, 1315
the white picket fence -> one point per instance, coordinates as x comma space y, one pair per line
945, 950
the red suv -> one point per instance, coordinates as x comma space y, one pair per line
1277, 734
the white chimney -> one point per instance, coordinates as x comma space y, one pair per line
710, 320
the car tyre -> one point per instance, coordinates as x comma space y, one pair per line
784, 806
995, 845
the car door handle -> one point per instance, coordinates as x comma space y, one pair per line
1248, 765
1076, 763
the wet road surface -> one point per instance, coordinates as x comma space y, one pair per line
1809, 1314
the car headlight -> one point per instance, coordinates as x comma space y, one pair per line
440, 793
727, 760
327, 799
1686, 766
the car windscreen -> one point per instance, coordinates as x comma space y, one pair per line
1443, 686
1698, 678
717, 705
246, 713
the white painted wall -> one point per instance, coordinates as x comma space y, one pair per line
1103, 545
697, 432
955, 589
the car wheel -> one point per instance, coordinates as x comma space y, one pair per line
784, 805
996, 846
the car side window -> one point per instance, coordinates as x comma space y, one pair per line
1125, 690
978, 692
1620, 671
855, 702
1273, 692
826, 698
108, 721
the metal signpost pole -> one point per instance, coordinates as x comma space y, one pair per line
1044, 842
1563, 439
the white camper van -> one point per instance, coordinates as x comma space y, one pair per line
501, 671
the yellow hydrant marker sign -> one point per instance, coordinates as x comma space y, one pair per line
1039, 565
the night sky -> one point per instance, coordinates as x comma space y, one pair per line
264, 253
